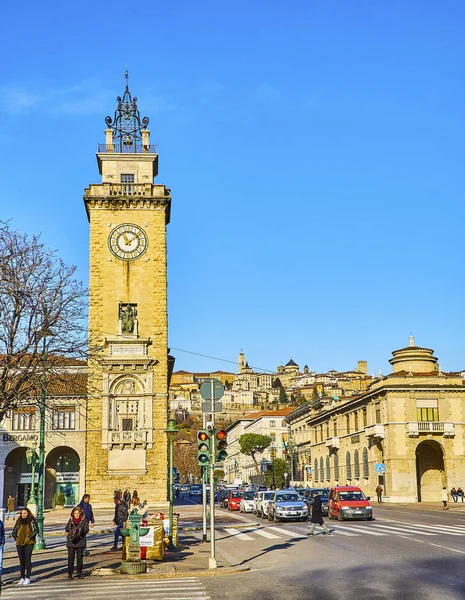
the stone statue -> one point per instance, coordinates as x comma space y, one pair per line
128, 316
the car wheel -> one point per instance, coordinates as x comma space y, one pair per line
270, 518
369, 518
304, 519
275, 518
339, 517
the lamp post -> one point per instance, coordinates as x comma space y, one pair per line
32, 459
40, 543
171, 432
273, 456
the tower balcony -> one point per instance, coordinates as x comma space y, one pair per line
126, 189
131, 149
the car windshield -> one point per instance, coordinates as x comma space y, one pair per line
267, 495
248, 495
236, 494
322, 493
287, 498
348, 496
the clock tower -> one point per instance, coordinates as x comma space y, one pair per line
126, 443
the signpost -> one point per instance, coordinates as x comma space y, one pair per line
211, 391
380, 468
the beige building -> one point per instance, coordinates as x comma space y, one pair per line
406, 432
126, 442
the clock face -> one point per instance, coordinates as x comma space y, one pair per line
127, 241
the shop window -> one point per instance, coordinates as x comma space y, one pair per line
64, 418
23, 418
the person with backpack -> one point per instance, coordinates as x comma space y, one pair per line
77, 529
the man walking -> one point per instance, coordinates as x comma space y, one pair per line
10, 506
379, 493
120, 518
86, 508
317, 515
454, 494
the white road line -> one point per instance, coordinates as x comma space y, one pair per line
236, 533
360, 529
403, 530
435, 528
339, 532
264, 533
446, 548
287, 532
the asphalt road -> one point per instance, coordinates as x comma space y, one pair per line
405, 553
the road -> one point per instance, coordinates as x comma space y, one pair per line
405, 553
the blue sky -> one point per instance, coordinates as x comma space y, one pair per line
314, 150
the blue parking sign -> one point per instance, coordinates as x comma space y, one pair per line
380, 468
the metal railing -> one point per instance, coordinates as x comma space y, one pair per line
132, 149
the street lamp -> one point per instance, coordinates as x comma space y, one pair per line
32, 459
171, 432
273, 456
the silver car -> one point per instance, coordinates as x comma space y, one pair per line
262, 504
286, 505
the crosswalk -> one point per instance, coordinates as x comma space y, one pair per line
97, 588
386, 527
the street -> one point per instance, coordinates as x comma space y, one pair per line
406, 552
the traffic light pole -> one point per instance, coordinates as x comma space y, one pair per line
212, 564
204, 498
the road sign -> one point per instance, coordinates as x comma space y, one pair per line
207, 407
206, 389
286, 474
380, 468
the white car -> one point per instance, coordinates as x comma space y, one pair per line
246, 505
262, 504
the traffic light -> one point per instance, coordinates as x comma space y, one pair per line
221, 443
203, 447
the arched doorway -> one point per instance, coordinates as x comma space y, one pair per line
62, 475
430, 471
18, 477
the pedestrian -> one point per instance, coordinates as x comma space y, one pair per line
317, 515
117, 494
272, 486
127, 497
120, 518
460, 493
135, 494
86, 508
2, 543
24, 533
454, 495
444, 498
10, 505
176, 493
379, 493
77, 528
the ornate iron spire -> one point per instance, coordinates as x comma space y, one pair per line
126, 122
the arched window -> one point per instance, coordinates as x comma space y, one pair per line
322, 469
348, 466
365, 463
356, 465
315, 468
328, 469
336, 467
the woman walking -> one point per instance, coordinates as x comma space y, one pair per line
24, 533
317, 515
77, 528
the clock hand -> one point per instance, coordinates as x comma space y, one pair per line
125, 239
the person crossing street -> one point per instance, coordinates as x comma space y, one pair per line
317, 515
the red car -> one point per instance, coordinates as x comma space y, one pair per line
234, 500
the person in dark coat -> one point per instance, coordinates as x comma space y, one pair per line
317, 516
120, 518
24, 533
77, 528
86, 508
2, 543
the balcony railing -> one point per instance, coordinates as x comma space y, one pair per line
414, 428
125, 189
375, 431
332, 442
132, 149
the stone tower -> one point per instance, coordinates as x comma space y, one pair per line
126, 443
241, 362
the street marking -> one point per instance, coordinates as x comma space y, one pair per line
362, 530
346, 533
264, 533
286, 532
402, 529
446, 548
236, 533
435, 528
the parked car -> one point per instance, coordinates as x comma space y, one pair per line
309, 496
234, 499
246, 504
195, 490
184, 488
349, 502
286, 505
262, 504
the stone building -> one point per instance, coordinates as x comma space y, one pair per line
406, 432
126, 443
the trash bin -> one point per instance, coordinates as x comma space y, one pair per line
175, 528
156, 549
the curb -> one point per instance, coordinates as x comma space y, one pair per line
174, 574
236, 526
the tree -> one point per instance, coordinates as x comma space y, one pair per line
253, 443
280, 467
282, 396
43, 324
276, 383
